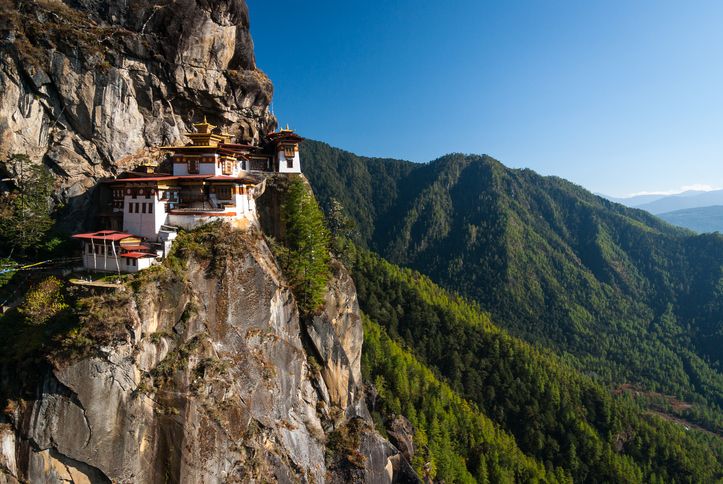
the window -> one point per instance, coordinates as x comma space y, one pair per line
223, 193
227, 167
289, 151
143, 207
289, 162
192, 166
150, 208
130, 207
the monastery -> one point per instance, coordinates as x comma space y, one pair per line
213, 179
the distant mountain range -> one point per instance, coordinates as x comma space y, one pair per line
699, 219
701, 211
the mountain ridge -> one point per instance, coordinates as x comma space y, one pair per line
698, 219
616, 288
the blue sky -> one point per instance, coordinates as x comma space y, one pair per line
618, 96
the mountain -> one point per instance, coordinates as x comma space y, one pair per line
700, 219
633, 201
417, 332
683, 201
88, 87
624, 296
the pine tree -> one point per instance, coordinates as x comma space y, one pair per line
306, 258
25, 211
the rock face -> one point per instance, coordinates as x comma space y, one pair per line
87, 86
200, 373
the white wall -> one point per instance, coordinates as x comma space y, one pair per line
102, 263
146, 225
205, 168
296, 163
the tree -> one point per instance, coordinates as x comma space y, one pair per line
305, 257
342, 227
25, 211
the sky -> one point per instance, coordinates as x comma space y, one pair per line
618, 96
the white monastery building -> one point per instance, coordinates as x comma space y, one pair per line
212, 179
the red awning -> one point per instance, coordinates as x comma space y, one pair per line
111, 235
137, 255
158, 178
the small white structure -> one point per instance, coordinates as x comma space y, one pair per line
285, 145
113, 251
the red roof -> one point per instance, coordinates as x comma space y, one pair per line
111, 235
159, 178
285, 135
209, 177
137, 255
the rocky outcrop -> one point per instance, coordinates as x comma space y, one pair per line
401, 435
87, 86
337, 335
199, 372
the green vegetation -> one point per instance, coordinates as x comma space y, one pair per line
25, 213
304, 256
44, 301
44, 311
7, 272
623, 296
454, 440
557, 416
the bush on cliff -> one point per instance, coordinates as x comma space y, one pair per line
304, 256
25, 212
44, 301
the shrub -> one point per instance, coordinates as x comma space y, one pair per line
44, 301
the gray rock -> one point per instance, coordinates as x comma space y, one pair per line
205, 379
83, 88
401, 435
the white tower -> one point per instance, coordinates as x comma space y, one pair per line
286, 150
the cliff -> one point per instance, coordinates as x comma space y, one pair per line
88, 86
200, 370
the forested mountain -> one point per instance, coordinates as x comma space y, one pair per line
620, 294
699, 219
558, 417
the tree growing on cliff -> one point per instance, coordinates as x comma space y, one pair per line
25, 211
304, 257
44, 301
